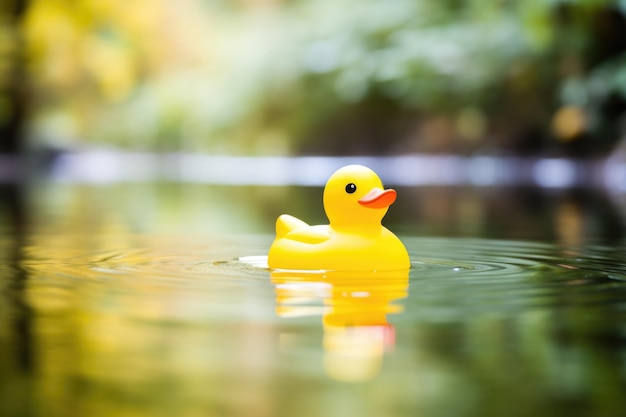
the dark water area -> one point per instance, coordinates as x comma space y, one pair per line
156, 300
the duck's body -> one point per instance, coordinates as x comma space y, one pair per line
324, 248
354, 240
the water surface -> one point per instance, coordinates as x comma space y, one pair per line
102, 313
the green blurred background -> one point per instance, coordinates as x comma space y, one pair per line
330, 77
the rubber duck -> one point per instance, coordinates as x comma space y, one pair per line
355, 240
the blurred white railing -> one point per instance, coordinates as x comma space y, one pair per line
106, 166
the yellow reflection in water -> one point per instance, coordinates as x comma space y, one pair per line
569, 224
128, 327
354, 309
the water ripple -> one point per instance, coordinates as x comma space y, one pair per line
455, 277
450, 274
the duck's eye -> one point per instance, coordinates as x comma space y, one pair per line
350, 188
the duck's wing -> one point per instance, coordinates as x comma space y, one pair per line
310, 234
286, 224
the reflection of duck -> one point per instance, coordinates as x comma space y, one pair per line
354, 309
355, 203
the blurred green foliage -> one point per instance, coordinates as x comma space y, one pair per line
326, 76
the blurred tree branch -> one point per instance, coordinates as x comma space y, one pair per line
12, 76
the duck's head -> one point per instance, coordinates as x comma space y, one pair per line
354, 195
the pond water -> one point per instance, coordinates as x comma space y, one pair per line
137, 300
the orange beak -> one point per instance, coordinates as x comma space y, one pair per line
378, 198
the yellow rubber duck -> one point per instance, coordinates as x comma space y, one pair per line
355, 203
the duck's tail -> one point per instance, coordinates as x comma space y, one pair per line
286, 223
